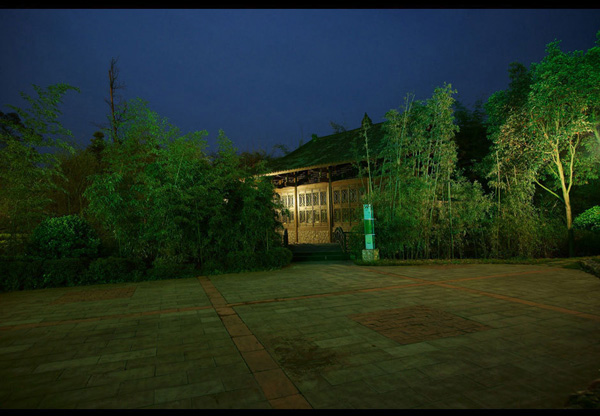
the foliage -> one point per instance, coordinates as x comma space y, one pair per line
168, 269
545, 133
240, 261
67, 236
29, 139
588, 220
20, 273
471, 140
520, 229
162, 197
414, 203
114, 270
73, 176
63, 272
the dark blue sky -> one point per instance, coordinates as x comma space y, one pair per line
273, 76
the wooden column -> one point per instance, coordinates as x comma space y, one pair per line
296, 205
330, 205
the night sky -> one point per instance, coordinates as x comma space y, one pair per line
270, 77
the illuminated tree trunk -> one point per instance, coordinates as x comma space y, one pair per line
567, 200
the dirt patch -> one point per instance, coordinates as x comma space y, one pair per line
302, 357
416, 324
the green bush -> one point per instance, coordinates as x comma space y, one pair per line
588, 220
279, 257
114, 270
21, 273
168, 269
64, 272
67, 236
239, 261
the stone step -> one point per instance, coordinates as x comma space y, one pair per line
317, 252
320, 256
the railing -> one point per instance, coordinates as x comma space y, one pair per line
341, 237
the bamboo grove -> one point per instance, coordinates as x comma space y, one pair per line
540, 171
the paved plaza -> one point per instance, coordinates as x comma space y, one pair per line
318, 335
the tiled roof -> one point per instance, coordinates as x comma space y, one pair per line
347, 146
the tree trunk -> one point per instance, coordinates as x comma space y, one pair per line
570, 234
567, 200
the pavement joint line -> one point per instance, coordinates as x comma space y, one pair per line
525, 302
444, 283
220, 304
456, 280
102, 318
279, 390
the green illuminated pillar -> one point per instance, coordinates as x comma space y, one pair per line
370, 253
369, 226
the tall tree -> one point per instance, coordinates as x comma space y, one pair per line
116, 114
550, 138
28, 161
471, 139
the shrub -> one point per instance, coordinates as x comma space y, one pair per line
588, 220
66, 236
168, 269
279, 257
21, 273
240, 261
114, 270
64, 272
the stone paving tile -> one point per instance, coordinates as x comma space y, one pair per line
233, 399
176, 404
127, 401
296, 401
457, 401
132, 386
511, 395
121, 375
21, 391
92, 369
175, 345
275, 384
70, 398
190, 390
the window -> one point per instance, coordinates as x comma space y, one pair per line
352, 195
344, 196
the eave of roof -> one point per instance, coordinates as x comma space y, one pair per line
335, 149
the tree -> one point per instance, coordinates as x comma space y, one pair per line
471, 139
424, 207
163, 198
117, 114
549, 138
28, 160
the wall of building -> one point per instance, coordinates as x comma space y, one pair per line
316, 210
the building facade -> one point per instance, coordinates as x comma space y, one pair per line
319, 184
